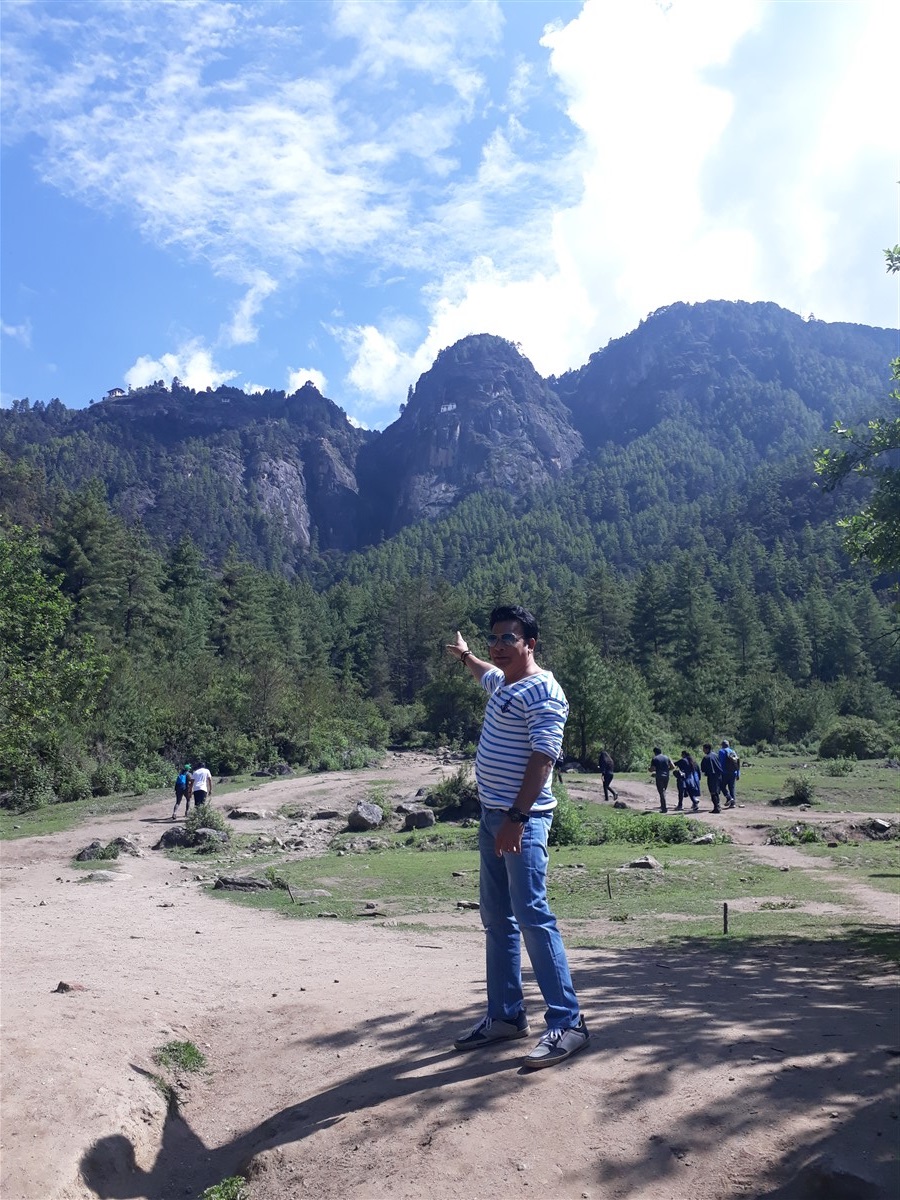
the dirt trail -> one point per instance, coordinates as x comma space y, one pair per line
707, 1078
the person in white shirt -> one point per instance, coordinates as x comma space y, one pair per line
202, 785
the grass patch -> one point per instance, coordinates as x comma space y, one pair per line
867, 787
693, 884
874, 863
232, 1188
181, 1056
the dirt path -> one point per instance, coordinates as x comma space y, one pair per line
330, 1074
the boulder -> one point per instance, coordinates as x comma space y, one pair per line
880, 826
94, 850
706, 840
126, 846
326, 814
418, 818
619, 804
210, 835
646, 863
248, 814
365, 816
243, 883
176, 836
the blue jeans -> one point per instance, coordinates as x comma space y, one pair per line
513, 903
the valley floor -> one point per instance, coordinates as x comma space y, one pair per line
762, 1070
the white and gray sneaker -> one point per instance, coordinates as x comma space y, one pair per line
489, 1031
557, 1044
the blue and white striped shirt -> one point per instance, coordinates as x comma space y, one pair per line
520, 718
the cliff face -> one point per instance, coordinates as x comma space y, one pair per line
481, 418
276, 475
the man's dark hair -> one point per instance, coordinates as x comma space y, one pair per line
657, 750
706, 747
515, 612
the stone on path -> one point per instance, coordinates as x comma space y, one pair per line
647, 863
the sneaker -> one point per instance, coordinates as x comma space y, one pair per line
557, 1044
488, 1031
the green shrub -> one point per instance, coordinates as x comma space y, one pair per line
205, 817
457, 789
107, 778
73, 783
567, 828
793, 835
854, 737
837, 767
799, 790
644, 828
33, 788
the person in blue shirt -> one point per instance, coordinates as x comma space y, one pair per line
521, 739
731, 772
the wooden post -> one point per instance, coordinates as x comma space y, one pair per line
608, 887
290, 893
725, 917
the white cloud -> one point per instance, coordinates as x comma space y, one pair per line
704, 169
297, 378
192, 363
18, 333
243, 329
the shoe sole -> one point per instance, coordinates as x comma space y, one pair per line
537, 1064
497, 1041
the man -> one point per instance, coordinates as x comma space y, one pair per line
661, 767
183, 785
712, 769
520, 741
607, 770
202, 785
730, 764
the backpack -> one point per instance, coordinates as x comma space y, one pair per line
732, 763
181, 781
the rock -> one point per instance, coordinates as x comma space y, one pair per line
646, 863
880, 825
326, 814
90, 852
126, 846
102, 877
243, 883
459, 874
248, 814
176, 836
467, 904
365, 816
706, 840
334, 916
62, 986
421, 818
619, 804
210, 835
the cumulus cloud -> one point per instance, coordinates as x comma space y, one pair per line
192, 364
297, 378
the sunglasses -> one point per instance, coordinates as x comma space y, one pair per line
506, 639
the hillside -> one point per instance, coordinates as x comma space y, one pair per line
723, 387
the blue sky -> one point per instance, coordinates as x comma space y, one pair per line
264, 193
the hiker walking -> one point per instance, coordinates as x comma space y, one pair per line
607, 770
731, 771
183, 784
687, 775
712, 769
520, 741
202, 785
661, 767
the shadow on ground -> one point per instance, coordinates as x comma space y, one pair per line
818, 1023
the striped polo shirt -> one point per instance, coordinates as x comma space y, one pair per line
520, 718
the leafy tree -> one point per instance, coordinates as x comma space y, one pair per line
874, 532
44, 680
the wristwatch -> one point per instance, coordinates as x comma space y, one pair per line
517, 816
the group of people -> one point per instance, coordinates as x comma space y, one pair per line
192, 783
721, 768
